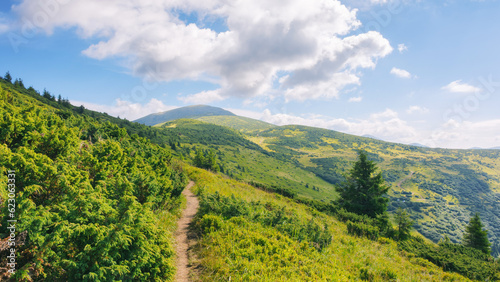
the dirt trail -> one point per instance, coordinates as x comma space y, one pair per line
184, 242
404, 179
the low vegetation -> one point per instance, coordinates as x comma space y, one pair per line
92, 203
93, 186
251, 235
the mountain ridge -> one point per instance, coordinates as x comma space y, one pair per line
183, 113
130, 167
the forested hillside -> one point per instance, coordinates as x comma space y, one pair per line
442, 188
92, 202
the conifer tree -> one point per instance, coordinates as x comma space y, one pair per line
364, 190
199, 158
8, 77
475, 236
404, 224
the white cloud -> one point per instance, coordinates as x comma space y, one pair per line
307, 39
453, 134
402, 47
355, 99
386, 125
379, 1
458, 86
400, 73
126, 109
4, 27
417, 109
203, 97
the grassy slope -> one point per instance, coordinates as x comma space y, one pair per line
245, 160
440, 187
242, 249
237, 122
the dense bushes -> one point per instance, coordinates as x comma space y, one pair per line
88, 196
467, 261
275, 189
362, 229
267, 214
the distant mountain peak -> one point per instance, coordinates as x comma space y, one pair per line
372, 137
419, 145
194, 111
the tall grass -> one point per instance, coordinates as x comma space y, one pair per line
237, 244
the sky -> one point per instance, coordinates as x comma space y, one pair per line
406, 71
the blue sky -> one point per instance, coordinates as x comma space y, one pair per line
401, 70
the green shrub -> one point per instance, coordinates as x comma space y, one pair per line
467, 261
266, 214
210, 223
362, 230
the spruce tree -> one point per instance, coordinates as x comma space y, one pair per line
404, 224
475, 237
364, 190
8, 77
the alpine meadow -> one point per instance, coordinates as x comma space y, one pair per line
249, 140
98, 198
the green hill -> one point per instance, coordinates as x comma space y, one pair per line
237, 122
441, 188
243, 159
184, 112
97, 199
91, 202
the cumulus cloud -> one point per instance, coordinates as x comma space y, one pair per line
454, 134
4, 27
417, 109
458, 86
355, 99
259, 40
126, 109
400, 73
203, 97
386, 125
402, 48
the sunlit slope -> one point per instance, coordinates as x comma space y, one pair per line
244, 160
440, 187
91, 202
250, 235
237, 122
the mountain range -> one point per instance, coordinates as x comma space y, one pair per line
441, 187
99, 197
184, 112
